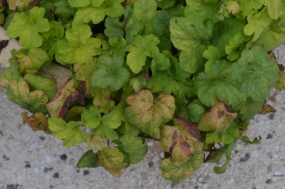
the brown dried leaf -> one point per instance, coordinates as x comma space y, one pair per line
181, 140
217, 119
64, 98
267, 109
3, 44
38, 122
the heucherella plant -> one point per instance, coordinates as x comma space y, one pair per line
189, 73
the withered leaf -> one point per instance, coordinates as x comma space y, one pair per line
3, 44
217, 119
267, 109
38, 122
181, 140
64, 98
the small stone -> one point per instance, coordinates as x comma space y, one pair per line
56, 175
269, 168
51, 168
273, 99
268, 181
6, 158
42, 138
144, 175
172, 185
45, 170
78, 171
247, 155
63, 157
10, 186
236, 151
28, 166
150, 164
86, 172
196, 187
269, 136
51, 186
242, 160
271, 116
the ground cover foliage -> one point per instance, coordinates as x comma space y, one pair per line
191, 74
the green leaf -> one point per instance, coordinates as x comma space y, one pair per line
74, 113
111, 8
216, 85
222, 169
110, 72
96, 142
181, 140
247, 141
112, 160
165, 3
78, 47
81, 3
275, 7
176, 71
147, 114
102, 126
231, 134
280, 84
157, 82
202, 10
18, 91
179, 171
247, 6
196, 111
137, 82
159, 63
249, 110
133, 147
192, 38
217, 119
257, 22
91, 118
139, 50
224, 31
41, 83
114, 28
9, 74
89, 159
29, 61
212, 53
64, 11
144, 12
272, 36
233, 49
70, 132
259, 73
27, 27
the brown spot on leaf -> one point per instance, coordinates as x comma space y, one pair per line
229, 109
190, 128
192, 25
209, 109
174, 136
3, 44
220, 114
186, 145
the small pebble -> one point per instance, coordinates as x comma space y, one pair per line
63, 157
247, 155
56, 175
271, 116
78, 171
28, 166
6, 158
42, 138
172, 185
51, 186
242, 160
150, 164
144, 175
273, 99
86, 172
196, 187
268, 181
269, 136
269, 168
10, 186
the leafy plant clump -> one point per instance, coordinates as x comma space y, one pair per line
190, 74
